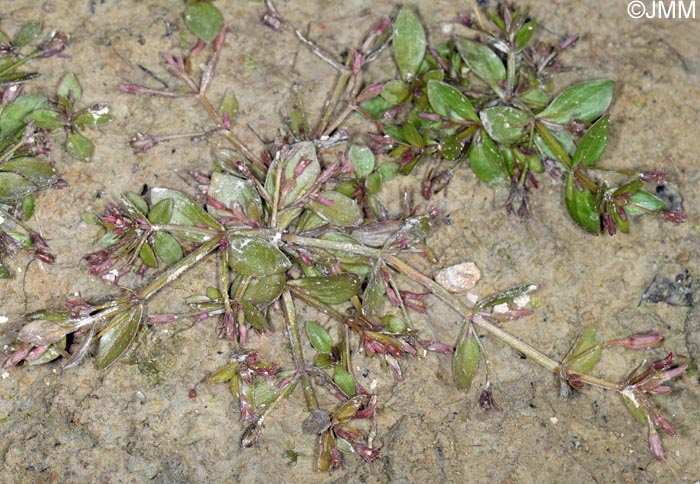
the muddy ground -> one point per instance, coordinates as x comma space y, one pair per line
136, 423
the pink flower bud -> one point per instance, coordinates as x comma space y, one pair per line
656, 446
642, 341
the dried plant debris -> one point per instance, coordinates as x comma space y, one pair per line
676, 291
29, 122
298, 225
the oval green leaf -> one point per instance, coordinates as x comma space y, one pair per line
593, 142
255, 257
342, 210
204, 20
504, 124
345, 381
487, 163
264, 290
167, 248
586, 351
585, 101
120, 333
581, 206
483, 61
363, 160
79, 146
319, 337
465, 360
449, 102
333, 289
408, 43
642, 202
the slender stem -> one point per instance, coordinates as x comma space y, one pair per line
297, 351
340, 86
180, 267
510, 69
224, 292
21, 61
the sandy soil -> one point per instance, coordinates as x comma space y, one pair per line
136, 423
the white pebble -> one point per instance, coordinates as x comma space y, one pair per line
501, 308
521, 301
458, 278
3, 319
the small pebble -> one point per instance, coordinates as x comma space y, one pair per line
458, 278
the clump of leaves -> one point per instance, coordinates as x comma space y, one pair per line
490, 100
285, 233
27, 123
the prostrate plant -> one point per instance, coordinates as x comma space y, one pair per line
27, 122
490, 100
286, 231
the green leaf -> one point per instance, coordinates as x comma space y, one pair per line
4, 271
185, 212
147, 256
255, 257
264, 290
638, 410
44, 119
487, 163
79, 146
581, 206
93, 116
120, 333
69, 88
537, 97
288, 162
167, 248
408, 43
28, 205
395, 91
363, 160
231, 190
27, 33
319, 337
642, 202
343, 211
254, 317
588, 342
465, 360
228, 106
204, 20
449, 102
451, 147
411, 135
138, 202
504, 124
345, 381
524, 34
12, 117
14, 186
593, 142
162, 212
37, 171
333, 289
585, 101
483, 61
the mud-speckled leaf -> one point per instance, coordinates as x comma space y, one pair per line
12, 117
255, 257
504, 124
79, 146
487, 163
162, 212
147, 256
395, 91
45, 119
204, 20
524, 34
14, 187
363, 160
408, 43
35, 170
167, 248
27, 33
254, 317
585, 101
185, 212
333, 289
449, 102
69, 88
637, 409
581, 206
593, 142
28, 206
338, 209
483, 61
264, 290
588, 342
137, 201
231, 190
96, 115
344, 380
120, 333
319, 337
642, 202
465, 360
